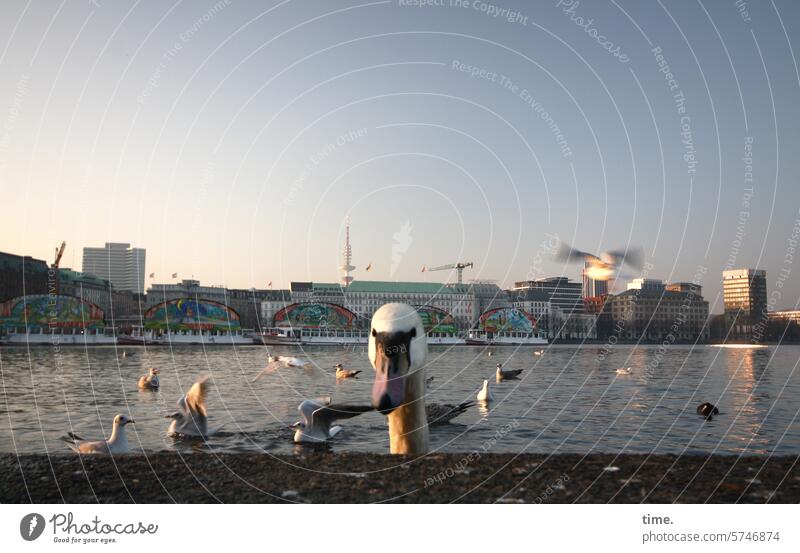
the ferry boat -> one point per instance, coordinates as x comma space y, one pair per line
288, 336
36, 335
141, 336
478, 337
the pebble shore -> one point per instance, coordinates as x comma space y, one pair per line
322, 477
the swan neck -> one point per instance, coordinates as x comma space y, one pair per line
408, 424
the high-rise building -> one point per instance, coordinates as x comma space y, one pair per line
117, 263
564, 294
592, 287
744, 293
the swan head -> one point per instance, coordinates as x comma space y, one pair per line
122, 420
397, 350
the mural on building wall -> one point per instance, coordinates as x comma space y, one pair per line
315, 315
190, 314
507, 319
43, 310
436, 320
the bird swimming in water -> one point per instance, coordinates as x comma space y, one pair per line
624, 371
150, 380
707, 410
341, 372
117, 443
539, 352
318, 414
511, 374
485, 393
442, 413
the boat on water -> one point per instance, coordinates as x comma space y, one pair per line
142, 336
510, 338
36, 335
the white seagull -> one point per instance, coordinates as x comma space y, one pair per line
150, 380
117, 443
624, 371
191, 418
603, 266
485, 394
318, 414
539, 352
275, 362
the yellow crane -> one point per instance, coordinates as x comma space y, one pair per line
459, 267
57, 262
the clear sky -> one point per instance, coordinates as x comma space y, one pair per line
231, 139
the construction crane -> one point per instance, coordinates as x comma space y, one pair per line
457, 266
57, 262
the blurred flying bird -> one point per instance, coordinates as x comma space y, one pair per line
603, 266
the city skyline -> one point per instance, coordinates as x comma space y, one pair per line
232, 153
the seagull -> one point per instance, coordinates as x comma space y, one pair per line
126, 354
707, 410
442, 413
603, 266
489, 354
117, 443
279, 361
318, 414
150, 380
624, 371
341, 372
191, 418
539, 352
485, 394
429, 382
502, 375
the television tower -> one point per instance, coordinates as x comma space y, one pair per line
347, 254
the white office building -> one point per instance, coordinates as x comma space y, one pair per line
117, 263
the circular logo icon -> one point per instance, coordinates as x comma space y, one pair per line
31, 526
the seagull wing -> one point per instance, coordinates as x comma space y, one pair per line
565, 252
308, 407
270, 368
195, 398
632, 256
326, 414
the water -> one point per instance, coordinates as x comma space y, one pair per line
569, 401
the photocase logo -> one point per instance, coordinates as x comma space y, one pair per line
31, 526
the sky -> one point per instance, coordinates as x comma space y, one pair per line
233, 139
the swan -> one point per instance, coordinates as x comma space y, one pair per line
341, 372
191, 418
707, 410
397, 350
442, 413
117, 443
150, 380
502, 375
318, 414
485, 394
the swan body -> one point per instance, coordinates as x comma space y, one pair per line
397, 350
116, 443
150, 380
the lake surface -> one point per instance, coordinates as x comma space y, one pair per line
570, 400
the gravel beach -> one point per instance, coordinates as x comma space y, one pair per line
322, 477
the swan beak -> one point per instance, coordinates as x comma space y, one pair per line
389, 388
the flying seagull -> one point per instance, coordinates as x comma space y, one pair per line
275, 362
603, 266
191, 418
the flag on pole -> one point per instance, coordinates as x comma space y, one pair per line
424, 268
174, 275
369, 266
152, 275
269, 285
